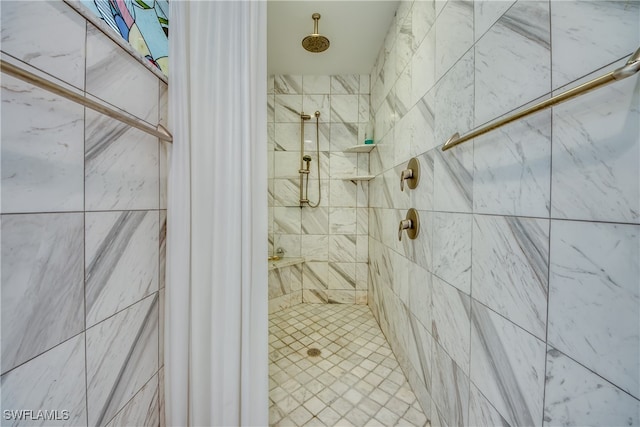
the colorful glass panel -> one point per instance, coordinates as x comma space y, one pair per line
143, 23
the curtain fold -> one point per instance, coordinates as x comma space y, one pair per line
216, 315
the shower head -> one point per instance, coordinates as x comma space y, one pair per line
315, 43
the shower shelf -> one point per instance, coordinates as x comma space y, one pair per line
358, 178
360, 148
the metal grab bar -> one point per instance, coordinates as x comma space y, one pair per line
159, 131
629, 69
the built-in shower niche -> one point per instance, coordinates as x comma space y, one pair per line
285, 283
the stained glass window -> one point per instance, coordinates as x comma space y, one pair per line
143, 23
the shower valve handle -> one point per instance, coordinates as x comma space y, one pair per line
404, 175
411, 223
411, 174
405, 224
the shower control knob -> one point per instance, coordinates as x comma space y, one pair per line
411, 223
411, 174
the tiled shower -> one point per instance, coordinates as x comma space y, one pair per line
518, 303
83, 225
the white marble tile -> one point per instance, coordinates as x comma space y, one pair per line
362, 248
288, 108
453, 179
347, 84
365, 84
575, 396
423, 69
343, 164
311, 136
451, 249
454, 34
122, 355
361, 298
286, 192
42, 149
343, 136
342, 220
423, 15
315, 221
41, 278
481, 412
315, 248
364, 115
513, 61
54, 381
279, 281
287, 137
279, 303
420, 250
405, 46
121, 166
31, 33
342, 248
315, 296
420, 295
290, 243
596, 148
314, 102
142, 409
315, 275
115, 76
510, 269
454, 100
362, 221
594, 298
342, 193
342, 275
271, 108
450, 390
288, 84
287, 220
512, 169
341, 296
591, 34
362, 276
450, 322
121, 262
316, 84
344, 108
507, 366
286, 165
486, 13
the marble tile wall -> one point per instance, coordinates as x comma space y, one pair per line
519, 303
332, 237
83, 221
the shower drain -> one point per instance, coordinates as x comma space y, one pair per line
313, 352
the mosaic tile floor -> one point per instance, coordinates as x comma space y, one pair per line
355, 381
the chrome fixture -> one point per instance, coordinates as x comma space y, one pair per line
411, 174
411, 223
305, 162
315, 43
629, 69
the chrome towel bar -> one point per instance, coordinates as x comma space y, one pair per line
629, 69
13, 70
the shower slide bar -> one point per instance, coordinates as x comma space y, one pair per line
629, 69
13, 70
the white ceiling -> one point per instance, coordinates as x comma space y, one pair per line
356, 30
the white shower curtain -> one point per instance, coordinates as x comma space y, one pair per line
216, 296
